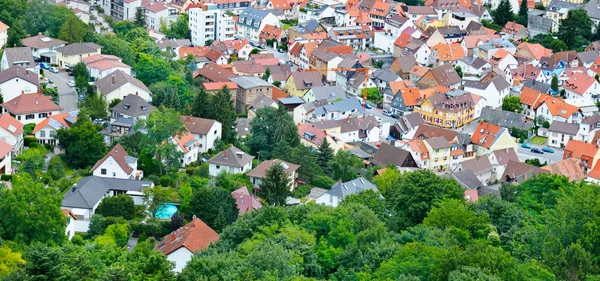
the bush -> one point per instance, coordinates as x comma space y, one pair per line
6, 177
56, 168
301, 191
99, 223
28, 129
153, 228
27, 141
166, 181
117, 206
323, 182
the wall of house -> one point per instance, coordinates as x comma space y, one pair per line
16, 141
127, 89
99, 74
112, 170
70, 229
64, 60
214, 170
37, 118
16, 86
180, 257
328, 200
3, 38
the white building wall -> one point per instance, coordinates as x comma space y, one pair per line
180, 257
99, 74
16, 86
112, 170
123, 91
3, 38
37, 117
328, 200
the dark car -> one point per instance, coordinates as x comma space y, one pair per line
537, 150
262, 47
395, 116
280, 50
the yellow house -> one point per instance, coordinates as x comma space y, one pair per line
439, 151
301, 81
451, 110
489, 137
71, 54
428, 22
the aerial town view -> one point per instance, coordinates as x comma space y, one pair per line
299, 140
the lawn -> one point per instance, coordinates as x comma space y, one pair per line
538, 140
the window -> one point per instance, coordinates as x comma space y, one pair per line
103, 171
52, 134
215, 132
114, 174
29, 116
218, 167
42, 134
43, 115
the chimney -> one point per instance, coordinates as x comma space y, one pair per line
194, 216
39, 33
188, 119
225, 154
112, 79
26, 72
137, 94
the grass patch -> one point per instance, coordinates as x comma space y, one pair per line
538, 140
286, 26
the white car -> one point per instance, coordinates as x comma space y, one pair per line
71, 83
54, 69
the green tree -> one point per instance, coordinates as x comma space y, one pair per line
469, 273
325, 155
177, 221
9, 260
15, 33
575, 29
272, 127
214, 206
140, 18
180, 28
116, 206
523, 12
267, 74
343, 166
73, 30
151, 69
455, 213
84, 146
371, 199
512, 104
95, 106
275, 188
122, 27
459, 71
80, 70
31, 212
226, 114
113, 45
202, 104
56, 168
503, 13
165, 94
554, 83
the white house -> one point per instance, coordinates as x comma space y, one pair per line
493, 87
121, 10
158, 13
11, 131
31, 108
100, 66
205, 131
17, 80
117, 164
119, 84
188, 145
251, 21
70, 229
209, 23
45, 131
5, 157
582, 85
43, 47
342, 109
232, 160
20, 56
181, 245
258, 174
556, 109
340, 190
560, 133
3, 34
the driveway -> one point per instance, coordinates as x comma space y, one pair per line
525, 154
67, 97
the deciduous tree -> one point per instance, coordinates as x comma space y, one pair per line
83, 144
215, 206
512, 103
117, 206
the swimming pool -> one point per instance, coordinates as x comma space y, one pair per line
166, 211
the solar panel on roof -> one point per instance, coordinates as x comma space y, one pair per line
55, 124
12, 128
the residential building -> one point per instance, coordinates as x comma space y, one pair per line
388, 155
568, 168
117, 164
11, 131
85, 195
212, 72
132, 106
444, 75
207, 22
249, 88
119, 84
300, 82
444, 53
340, 190
232, 160
517, 172
3, 34
488, 138
313, 137
258, 174
582, 85
342, 109
261, 101
205, 131
329, 93
188, 146
505, 119
70, 55
251, 21
18, 56
556, 109
121, 9
359, 37
45, 131
70, 228
31, 108
43, 47
587, 153
481, 167
469, 181
514, 31
100, 66
560, 133
159, 13
492, 87
16, 80
244, 201
500, 158
5, 157
451, 110
352, 129
181, 245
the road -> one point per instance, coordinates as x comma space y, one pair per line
67, 97
525, 154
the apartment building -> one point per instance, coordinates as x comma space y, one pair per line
207, 22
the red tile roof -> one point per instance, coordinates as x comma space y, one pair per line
10, 124
60, 118
215, 86
244, 201
567, 167
31, 103
485, 134
579, 149
118, 153
195, 236
5, 148
183, 139
3, 27
579, 83
558, 107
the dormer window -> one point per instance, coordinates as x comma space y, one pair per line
126, 106
144, 107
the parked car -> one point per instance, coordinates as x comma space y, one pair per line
395, 116
261, 46
71, 83
547, 149
537, 150
280, 50
44, 65
70, 72
53, 69
300, 182
253, 44
368, 106
525, 145
386, 113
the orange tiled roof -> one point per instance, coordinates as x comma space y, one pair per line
567, 167
281, 4
579, 83
512, 27
11, 125
419, 146
595, 173
485, 134
363, 17
596, 66
558, 107
403, 40
3, 27
412, 96
182, 139
195, 236
532, 97
579, 149
271, 32
198, 51
380, 9
215, 86
450, 52
498, 56
419, 70
537, 50
60, 118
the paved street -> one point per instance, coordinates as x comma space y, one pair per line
67, 97
525, 154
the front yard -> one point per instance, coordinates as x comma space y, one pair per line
538, 140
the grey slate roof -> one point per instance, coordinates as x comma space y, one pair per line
385, 75
593, 9
341, 106
79, 49
479, 165
19, 55
538, 86
565, 128
134, 106
88, 191
504, 118
503, 156
232, 157
16, 71
248, 82
341, 190
251, 16
466, 178
410, 121
390, 155
106, 85
330, 93
438, 142
261, 101
588, 57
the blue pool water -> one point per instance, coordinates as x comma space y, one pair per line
166, 211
